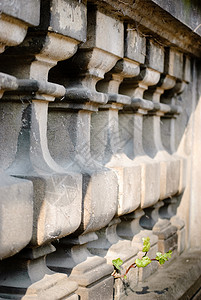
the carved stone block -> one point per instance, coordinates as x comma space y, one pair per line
135, 45
24, 10
16, 214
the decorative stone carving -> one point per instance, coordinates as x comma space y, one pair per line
15, 19
55, 190
67, 166
94, 58
132, 118
105, 138
12, 32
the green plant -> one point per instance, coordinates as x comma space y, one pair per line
140, 263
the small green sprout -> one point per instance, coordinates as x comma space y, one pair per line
146, 244
140, 263
117, 263
162, 258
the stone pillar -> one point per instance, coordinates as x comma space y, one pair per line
16, 228
99, 199
178, 68
106, 146
131, 122
170, 174
131, 119
107, 150
11, 223
174, 173
57, 193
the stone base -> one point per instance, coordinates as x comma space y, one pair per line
123, 286
102, 290
111, 246
177, 222
16, 214
26, 276
137, 242
94, 279
167, 236
55, 286
178, 280
91, 273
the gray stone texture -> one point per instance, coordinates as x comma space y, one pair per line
25, 10
66, 17
99, 148
16, 214
187, 12
135, 45
183, 273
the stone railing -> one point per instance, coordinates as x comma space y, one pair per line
89, 114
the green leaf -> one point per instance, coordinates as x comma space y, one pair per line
125, 277
117, 263
141, 263
162, 258
146, 244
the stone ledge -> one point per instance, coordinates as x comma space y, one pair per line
180, 280
152, 19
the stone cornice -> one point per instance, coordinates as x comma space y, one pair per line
151, 20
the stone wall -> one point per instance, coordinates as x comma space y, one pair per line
99, 147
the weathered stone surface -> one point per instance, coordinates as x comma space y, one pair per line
98, 24
53, 41
26, 276
59, 191
14, 20
76, 156
90, 272
105, 144
66, 17
187, 12
130, 224
135, 87
93, 60
167, 235
99, 183
174, 63
93, 292
54, 189
157, 22
179, 280
7, 24
106, 149
25, 10
131, 133
16, 214
170, 167
74, 195
7, 83
179, 223
155, 56
135, 45
187, 69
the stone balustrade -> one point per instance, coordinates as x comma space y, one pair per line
89, 111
